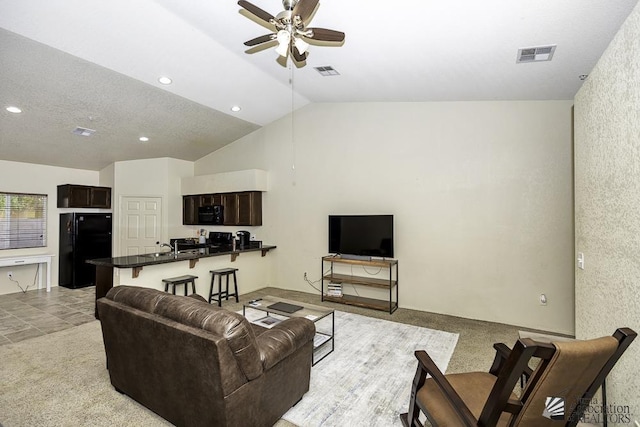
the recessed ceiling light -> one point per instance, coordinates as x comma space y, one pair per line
13, 109
165, 80
236, 108
143, 139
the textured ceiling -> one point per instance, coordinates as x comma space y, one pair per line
95, 64
59, 92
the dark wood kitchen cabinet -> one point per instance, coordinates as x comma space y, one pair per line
250, 208
190, 205
230, 206
83, 196
243, 208
210, 199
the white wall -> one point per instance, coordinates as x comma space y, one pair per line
151, 178
607, 189
18, 177
481, 193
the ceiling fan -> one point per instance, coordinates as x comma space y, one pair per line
290, 28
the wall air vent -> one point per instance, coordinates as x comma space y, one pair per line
535, 54
327, 71
83, 131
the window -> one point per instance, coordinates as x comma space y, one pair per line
23, 220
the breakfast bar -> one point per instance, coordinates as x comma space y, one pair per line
105, 267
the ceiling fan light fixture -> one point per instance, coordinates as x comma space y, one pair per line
283, 38
291, 29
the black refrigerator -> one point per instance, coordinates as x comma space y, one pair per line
83, 236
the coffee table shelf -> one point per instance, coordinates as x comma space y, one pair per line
324, 335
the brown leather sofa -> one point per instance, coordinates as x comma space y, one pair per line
199, 365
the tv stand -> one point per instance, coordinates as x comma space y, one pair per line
356, 257
390, 283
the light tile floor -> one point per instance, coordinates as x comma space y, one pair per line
37, 312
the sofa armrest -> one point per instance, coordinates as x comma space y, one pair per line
283, 339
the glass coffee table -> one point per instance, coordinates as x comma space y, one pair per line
271, 310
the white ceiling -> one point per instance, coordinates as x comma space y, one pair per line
95, 64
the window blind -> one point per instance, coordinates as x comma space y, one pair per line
23, 220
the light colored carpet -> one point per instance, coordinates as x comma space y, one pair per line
60, 379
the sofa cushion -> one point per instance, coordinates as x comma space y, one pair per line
232, 326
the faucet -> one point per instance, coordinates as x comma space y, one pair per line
174, 248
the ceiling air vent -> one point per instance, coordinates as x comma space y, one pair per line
327, 71
83, 131
535, 54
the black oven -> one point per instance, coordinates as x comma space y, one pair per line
210, 215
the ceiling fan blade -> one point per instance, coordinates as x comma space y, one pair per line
261, 47
305, 9
261, 39
322, 34
265, 16
296, 55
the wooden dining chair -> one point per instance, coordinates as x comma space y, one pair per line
559, 388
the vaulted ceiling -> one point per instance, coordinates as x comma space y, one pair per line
96, 64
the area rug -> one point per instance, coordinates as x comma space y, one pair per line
60, 379
367, 380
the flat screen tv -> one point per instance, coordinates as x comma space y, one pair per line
361, 235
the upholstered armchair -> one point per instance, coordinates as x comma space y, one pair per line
559, 388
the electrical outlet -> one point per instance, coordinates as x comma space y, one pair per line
543, 299
581, 260
305, 275
10, 274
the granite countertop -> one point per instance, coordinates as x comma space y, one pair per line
135, 261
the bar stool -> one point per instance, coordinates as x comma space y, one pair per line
226, 272
180, 280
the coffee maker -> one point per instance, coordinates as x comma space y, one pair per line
243, 239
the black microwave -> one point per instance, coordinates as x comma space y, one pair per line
211, 215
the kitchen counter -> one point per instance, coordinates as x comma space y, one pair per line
105, 266
138, 261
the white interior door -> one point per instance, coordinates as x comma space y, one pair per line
140, 224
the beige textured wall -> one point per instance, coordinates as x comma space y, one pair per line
607, 193
481, 193
16, 177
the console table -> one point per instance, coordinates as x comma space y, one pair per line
31, 259
389, 283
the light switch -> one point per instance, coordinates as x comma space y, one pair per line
580, 260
